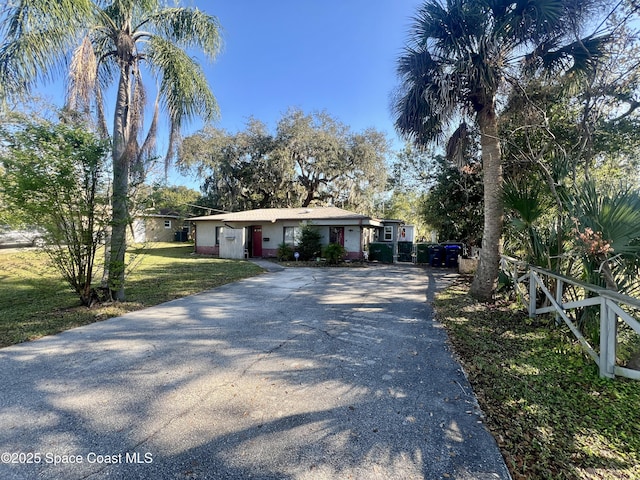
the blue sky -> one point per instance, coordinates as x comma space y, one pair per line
337, 56
333, 55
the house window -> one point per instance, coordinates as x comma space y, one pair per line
167, 224
218, 229
388, 234
291, 236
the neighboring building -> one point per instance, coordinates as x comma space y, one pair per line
258, 233
159, 228
393, 242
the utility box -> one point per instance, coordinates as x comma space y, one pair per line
381, 252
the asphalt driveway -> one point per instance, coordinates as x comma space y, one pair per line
296, 374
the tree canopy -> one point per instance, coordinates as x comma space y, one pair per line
454, 205
571, 150
311, 159
54, 178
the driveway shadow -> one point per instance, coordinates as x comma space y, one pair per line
305, 373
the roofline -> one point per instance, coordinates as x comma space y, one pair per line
361, 220
159, 215
358, 218
302, 214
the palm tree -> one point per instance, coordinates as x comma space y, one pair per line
461, 56
100, 43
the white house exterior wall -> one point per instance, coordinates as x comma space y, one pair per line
274, 232
232, 242
205, 241
352, 240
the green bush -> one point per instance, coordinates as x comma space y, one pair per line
285, 252
334, 253
309, 246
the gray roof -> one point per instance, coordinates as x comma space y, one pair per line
275, 214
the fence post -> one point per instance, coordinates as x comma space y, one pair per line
608, 339
559, 288
532, 293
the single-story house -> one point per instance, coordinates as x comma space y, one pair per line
258, 233
159, 228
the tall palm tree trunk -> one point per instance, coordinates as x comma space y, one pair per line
120, 194
486, 278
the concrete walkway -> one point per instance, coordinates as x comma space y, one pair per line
303, 373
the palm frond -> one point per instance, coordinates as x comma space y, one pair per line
82, 77
22, 17
184, 89
579, 56
431, 21
414, 107
120, 13
174, 142
188, 28
524, 21
137, 105
414, 118
457, 146
529, 199
613, 213
33, 57
37, 37
147, 150
103, 130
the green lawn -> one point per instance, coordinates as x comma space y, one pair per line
34, 301
550, 412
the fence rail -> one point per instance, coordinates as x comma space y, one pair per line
610, 303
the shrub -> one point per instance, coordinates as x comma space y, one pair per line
334, 253
285, 252
309, 245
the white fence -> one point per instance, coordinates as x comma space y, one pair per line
614, 307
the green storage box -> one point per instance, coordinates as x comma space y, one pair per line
381, 252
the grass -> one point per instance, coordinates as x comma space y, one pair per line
552, 416
35, 301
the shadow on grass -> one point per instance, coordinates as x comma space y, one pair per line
303, 374
551, 414
35, 301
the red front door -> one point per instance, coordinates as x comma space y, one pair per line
256, 241
336, 235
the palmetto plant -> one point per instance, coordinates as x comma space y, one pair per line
113, 43
532, 232
606, 247
607, 231
461, 54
